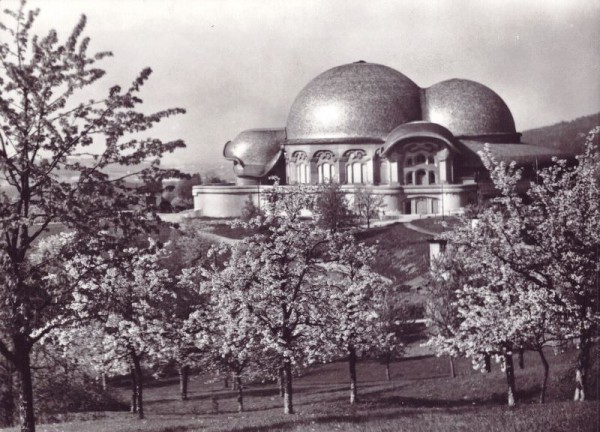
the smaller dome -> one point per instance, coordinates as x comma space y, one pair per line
255, 152
467, 108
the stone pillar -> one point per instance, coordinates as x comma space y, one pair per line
341, 168
444, 162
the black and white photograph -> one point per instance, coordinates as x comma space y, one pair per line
303, 215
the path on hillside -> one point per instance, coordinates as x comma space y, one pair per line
218, 238
419, 229
180, 217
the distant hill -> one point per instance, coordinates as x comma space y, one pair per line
208, 170
569, 136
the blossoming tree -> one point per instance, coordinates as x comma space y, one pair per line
126, 304
49, 124
276, 275
531, 266
355, 292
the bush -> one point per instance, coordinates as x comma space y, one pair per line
61, 396
250, 210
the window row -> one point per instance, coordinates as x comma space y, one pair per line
420, 177
356, 173
362, 173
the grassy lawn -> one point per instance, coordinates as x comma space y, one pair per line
436, 224
222, 227
420, 397
403, 253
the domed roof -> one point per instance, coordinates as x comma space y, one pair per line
467, 108
255, 152
357, 100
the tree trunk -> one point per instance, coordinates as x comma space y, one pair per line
226, 381
581, 369
521, 358
133, 408
388, 375
233, 381
488, 363
546, 372
103, 384
184, 374
23, 369
7, 398
137, 367
288, 407
240, 393
281, 381
510, 379
352, 367
452, 370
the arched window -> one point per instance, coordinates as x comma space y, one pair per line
431, 177
302, 167
326, 172
430, 160
409, 178
357, 168
324, 162
419, 177
420, 159
409, 162
303, 173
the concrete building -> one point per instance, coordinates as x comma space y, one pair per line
365, 124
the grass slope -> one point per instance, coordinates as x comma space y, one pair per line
420, 397
402, 252
436, 224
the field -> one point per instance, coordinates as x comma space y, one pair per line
420, 397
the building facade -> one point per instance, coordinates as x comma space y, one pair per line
368, 125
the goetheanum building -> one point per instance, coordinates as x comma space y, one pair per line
365, 124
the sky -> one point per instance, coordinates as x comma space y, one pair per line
239, 64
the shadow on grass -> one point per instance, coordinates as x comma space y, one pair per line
326, 419
524, 396
222, 395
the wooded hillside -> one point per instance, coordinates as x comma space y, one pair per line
569, 135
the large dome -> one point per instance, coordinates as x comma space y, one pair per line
467, 108
357, 100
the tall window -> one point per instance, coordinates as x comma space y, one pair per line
357, 168
326, 172
325, 161
303, 173
302, 167
431, 175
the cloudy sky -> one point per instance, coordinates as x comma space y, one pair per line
238, 64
